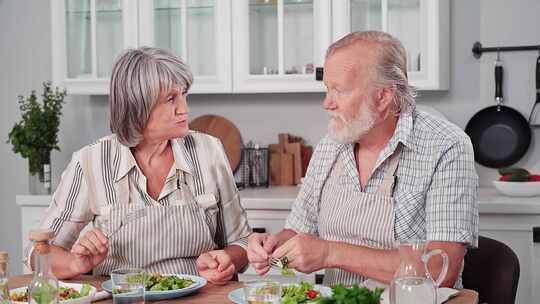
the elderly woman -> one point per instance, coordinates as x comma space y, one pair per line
161, 197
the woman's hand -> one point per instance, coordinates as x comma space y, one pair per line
216, 266
89, 251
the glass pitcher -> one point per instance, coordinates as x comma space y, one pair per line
412, 282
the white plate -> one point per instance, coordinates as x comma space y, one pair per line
520, 189
199, 282
237, 295
76, 286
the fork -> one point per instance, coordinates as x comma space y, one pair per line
137, 214
273, 262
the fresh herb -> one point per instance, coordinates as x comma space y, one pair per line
37, 133
353, 295
285, 271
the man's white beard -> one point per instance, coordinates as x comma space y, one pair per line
352, 129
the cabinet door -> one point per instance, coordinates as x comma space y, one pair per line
278, 43
199, 31
87, 35
421, 25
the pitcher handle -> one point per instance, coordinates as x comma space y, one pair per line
444, 271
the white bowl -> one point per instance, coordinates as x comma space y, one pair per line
522, 189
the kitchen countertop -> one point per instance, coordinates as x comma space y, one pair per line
281, 198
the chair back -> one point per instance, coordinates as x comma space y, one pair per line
492, 270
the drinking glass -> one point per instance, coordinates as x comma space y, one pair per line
262, 292
128, 286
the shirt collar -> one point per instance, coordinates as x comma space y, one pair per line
127, 161
402, 134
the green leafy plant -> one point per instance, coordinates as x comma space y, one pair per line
36, 134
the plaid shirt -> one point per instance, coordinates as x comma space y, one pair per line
437, 185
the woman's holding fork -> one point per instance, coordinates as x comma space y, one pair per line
161, 197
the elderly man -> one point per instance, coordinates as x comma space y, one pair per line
385, 172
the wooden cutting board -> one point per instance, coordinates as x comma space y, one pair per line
226, 131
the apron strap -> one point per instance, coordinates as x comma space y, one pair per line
220, 238
390, 177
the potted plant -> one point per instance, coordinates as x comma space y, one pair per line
36, 134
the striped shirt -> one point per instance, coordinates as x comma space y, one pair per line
91, 185
436, 188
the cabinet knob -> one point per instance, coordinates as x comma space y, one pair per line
259, 229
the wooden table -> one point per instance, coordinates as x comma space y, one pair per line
211, 294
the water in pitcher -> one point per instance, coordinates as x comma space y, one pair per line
414, 290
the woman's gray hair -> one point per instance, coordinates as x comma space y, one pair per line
391, 66
138, 77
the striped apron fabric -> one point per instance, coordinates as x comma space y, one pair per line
358, 218
165, 239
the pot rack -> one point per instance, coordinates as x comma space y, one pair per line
477, 49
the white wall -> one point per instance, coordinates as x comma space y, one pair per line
25, 62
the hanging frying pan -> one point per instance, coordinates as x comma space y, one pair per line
532, 117
500, 135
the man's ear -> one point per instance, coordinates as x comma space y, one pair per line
385, 99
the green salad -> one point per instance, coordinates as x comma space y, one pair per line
353, 295
305, 293
158, 282
46, 293
299, 293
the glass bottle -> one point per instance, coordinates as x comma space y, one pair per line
412, 282
4, 291
44, 286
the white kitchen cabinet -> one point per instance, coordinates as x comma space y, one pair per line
422, 26
516, 231
198, 31
86, 37
278, 43
241, 46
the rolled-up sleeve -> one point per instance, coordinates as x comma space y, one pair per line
69, 211
451, 200
232, 218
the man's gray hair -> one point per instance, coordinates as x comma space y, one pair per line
391, 66
138, 77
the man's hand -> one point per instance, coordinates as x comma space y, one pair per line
260, 247
89, 251
216, 266
305, 252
